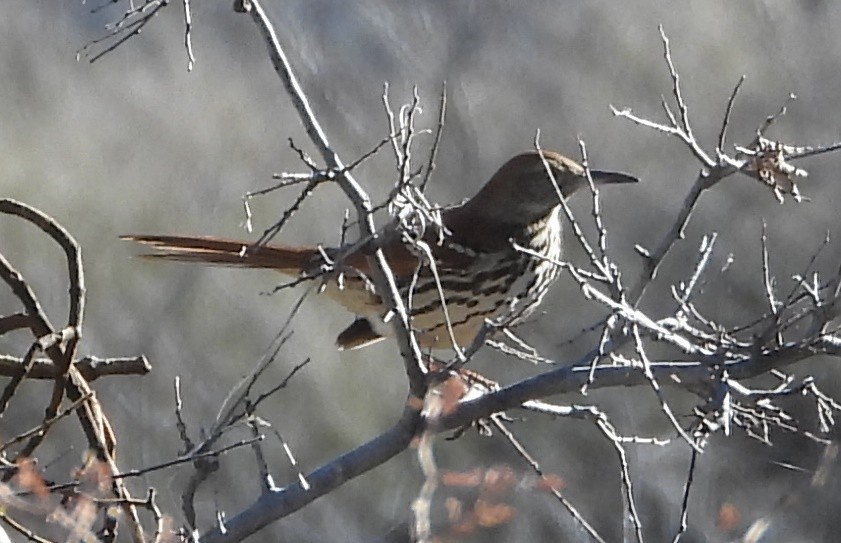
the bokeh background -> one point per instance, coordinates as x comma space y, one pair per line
135, 144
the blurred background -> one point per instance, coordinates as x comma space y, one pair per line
135, 144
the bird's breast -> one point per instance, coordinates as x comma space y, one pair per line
501, 286
450, 301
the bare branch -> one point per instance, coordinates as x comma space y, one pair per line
722, 134
535, 466
188, 29
128, 26
383, 278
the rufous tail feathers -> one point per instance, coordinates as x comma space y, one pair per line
225, 252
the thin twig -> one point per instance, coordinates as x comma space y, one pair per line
179, 417
439, 131
722, 134
684, 504
42, 428
576, 228
685, 296
535, 466
188, 40
609, 432
655, 386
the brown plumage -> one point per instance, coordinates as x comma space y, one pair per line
481, 274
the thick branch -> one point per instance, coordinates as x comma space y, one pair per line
90, 367
280, 503
693, 376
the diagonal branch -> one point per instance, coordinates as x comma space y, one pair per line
383, 277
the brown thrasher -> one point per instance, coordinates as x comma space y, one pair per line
481, 274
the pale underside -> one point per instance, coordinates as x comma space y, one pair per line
473, 292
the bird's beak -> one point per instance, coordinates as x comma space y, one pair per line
604, 178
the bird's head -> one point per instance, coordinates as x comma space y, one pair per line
522, 191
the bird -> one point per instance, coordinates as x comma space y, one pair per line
495, 263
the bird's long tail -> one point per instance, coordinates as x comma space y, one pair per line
225, 252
